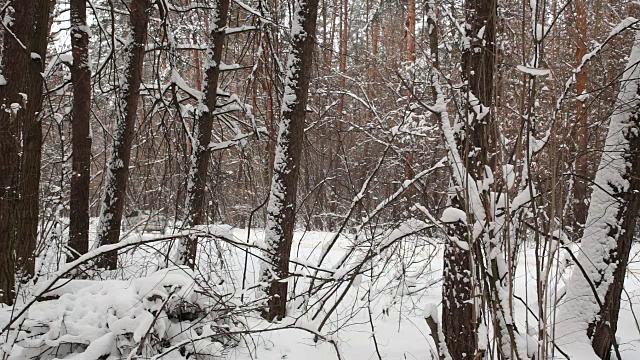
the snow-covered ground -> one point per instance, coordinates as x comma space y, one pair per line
382, 318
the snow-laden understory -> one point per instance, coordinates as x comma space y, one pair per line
143, 311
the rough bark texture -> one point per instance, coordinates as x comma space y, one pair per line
21, 99
118, 167
604, 328
13, 107
80, 136
282, 199
196, 194
28, 207
458, 313
474, 145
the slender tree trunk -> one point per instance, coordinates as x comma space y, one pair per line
197, 179
80, 133
118, 166
580, 129
588, 317
411, 31
282, 200
344, 43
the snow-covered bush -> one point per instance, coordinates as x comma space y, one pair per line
166, 313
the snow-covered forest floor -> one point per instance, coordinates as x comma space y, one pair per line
381, 316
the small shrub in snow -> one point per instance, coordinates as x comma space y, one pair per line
165, 312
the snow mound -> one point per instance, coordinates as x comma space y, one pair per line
149, 316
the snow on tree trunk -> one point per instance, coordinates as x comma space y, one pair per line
108, 231
608, 235
473, 141
197, 177
80, 140
282, 200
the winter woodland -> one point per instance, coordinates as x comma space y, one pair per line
319, 179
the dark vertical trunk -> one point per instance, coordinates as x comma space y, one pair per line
80, 137
282, 200
21, 97
474, 146
28, 207
10, 89
580, 131
127, 108
197, 179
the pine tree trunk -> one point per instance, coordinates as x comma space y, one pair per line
118, 167
411, 31
80, 133
197, 178
580, 130
282, 200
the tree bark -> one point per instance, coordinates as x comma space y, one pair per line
475, 146
580, 127
590, 311
80, 133
118, 167
282, 200
20, 132
28, 207
197, 179
411, 31
16, 62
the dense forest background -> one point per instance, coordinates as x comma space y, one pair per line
474, 132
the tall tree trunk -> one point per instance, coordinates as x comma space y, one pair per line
580, 127
16, 63
197, 178
21, 93
342, 66
475, 147
80, 136
118, 167
411, 31
282, 200
21, 132
589, 318
28, 208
